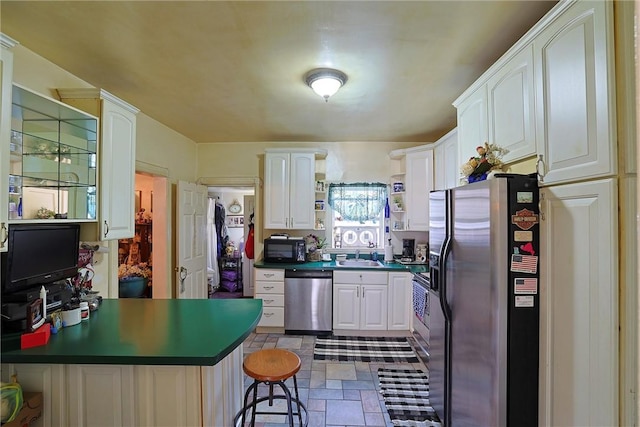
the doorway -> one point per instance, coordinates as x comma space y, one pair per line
230, 270
148, 248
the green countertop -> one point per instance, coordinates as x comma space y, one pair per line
147, 332
331, 265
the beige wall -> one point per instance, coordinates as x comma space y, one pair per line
348, 162
158, 149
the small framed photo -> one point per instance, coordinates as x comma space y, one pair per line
234, 221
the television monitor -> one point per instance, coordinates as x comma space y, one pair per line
39, 254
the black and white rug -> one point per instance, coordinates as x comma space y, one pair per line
406, 397
364, 349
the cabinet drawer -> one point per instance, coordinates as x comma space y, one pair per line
272, 316
269, 274
269, 287
271, 300
361, 277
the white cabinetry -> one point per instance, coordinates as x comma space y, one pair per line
100, 395
289, 190
445, 161
511, 107
269, 287
48, 379
6, 76
360, 300
499, 108
419, 182
400, 308
157, 406
579, 304
117, 159
135, 395
574, 94
472, 122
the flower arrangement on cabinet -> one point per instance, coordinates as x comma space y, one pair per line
489, 158
315, 245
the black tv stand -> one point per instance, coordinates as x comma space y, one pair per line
14, 305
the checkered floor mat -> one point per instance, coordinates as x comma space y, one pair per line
365, 349
406, 397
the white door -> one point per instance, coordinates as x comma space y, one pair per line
192, 249
373, 311
579, 345
346, 306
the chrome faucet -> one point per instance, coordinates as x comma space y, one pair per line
357, 253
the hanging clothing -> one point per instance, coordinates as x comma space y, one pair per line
212, 245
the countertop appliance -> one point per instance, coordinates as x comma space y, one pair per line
284, 250
308, 302
484, 323
408, 249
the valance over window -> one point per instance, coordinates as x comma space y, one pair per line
360, 201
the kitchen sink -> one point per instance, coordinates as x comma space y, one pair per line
359, 263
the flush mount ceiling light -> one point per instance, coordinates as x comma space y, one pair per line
325, 81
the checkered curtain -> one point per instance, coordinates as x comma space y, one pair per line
360, 201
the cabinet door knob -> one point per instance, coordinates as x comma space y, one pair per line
106, 228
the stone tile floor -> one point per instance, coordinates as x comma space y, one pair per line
335, 393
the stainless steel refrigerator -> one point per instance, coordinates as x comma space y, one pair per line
484, 242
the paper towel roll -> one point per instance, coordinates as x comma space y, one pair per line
388, 253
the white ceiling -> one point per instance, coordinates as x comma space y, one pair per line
233, 70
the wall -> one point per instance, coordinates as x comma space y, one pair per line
159, 149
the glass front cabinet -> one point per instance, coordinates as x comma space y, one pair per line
53, 160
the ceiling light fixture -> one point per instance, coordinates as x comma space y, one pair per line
325, 81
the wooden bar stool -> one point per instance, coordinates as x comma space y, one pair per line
272, 367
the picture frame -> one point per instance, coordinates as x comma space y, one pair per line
234, 221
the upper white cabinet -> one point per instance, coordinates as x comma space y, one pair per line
419, 182
511, 107
499, 108
6, 76
472, 122
117, 159
445, 161
289, 190
575, 124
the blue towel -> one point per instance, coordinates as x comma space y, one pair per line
420, 299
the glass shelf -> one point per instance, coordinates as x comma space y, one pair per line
53, 158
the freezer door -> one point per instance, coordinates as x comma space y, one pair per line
477, 295
437, 355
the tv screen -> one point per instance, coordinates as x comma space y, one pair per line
39, 254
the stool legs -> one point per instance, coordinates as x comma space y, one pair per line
253, 389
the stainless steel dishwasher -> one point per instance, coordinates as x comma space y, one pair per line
308, 302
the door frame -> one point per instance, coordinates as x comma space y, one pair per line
256, 184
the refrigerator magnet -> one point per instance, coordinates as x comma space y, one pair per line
524, 197
524, 301
524, 219
525, 285
523, 236
524, 263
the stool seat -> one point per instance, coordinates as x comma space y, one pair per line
272, 364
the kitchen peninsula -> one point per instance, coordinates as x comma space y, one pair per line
141, 362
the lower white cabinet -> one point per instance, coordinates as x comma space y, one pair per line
400, 305
360, 300
100, 395
48, 379
579, 309
135, 395
269, 287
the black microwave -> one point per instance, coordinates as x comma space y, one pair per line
284, 250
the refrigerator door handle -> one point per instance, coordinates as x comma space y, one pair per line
446, 250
